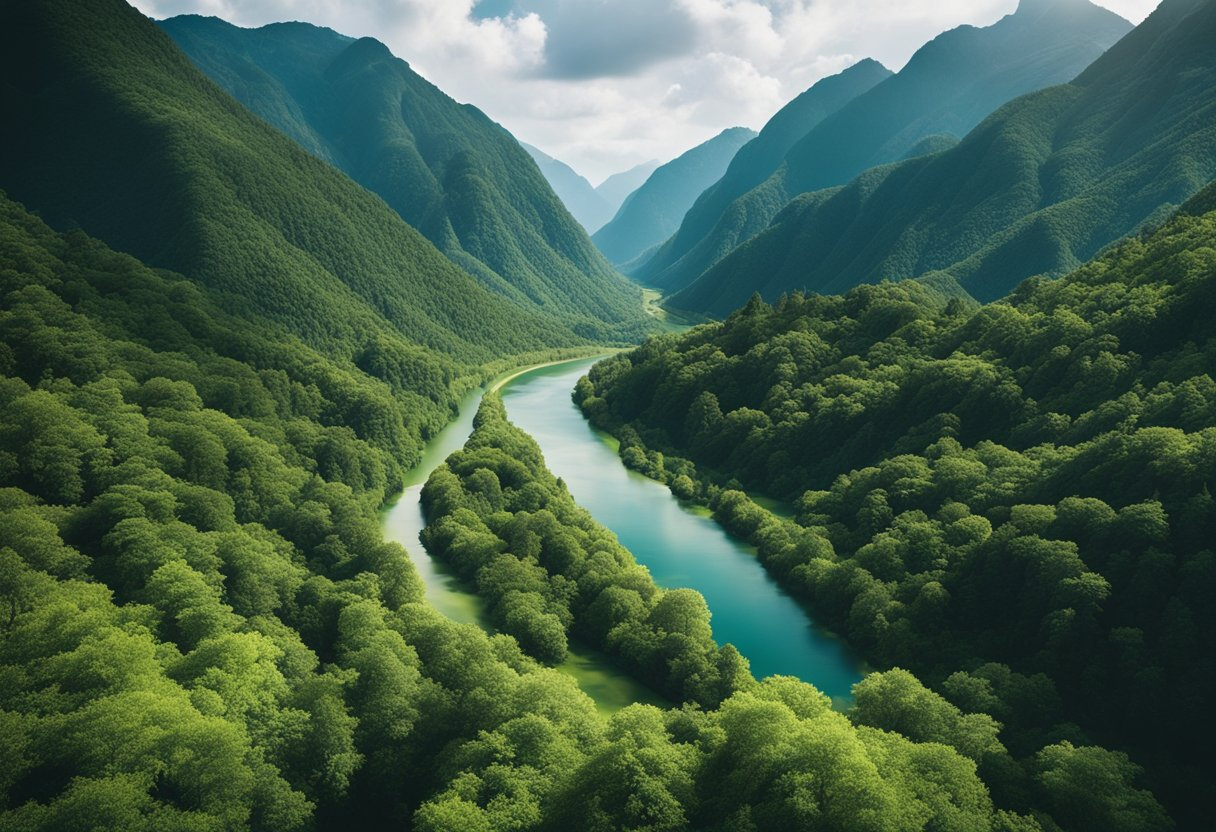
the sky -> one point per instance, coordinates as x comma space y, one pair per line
606, 84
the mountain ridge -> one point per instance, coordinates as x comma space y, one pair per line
652, 212
581, 199
752, 165
445, 168
950, 85
1040, 186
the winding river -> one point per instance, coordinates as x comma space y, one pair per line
681, 546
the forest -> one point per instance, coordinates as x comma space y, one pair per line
1012, 501
223, 348
204, 630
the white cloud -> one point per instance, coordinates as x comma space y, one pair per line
605, 84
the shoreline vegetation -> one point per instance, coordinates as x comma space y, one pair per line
305, 279
974, 487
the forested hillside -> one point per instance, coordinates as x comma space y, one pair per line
948, 87
220, 355
115, 132
203, 629
546, 568
450, 172
655, 209
754, 163
1013, 500
1038, 188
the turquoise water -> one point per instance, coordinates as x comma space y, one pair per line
609, 686
680, 546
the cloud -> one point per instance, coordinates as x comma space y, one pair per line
435, 36
604, 38
718, 89
605, 84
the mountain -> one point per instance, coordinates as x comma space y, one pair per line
655, 210
1039, 187
752, 165
618, 187
948, 87
581, 199
447, 169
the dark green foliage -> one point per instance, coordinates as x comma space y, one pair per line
1040, 187
201, 627
115, 132
200, 624
655, 210
504, 522
949, 86
752, 165
450, 172
1023, 484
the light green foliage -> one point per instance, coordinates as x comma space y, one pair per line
505, 522
1011, 499
1092, 789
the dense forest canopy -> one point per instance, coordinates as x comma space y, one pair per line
550, 571
219, 355
1011, 500
203, 629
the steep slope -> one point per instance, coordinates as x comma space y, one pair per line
655, 210
617, 188
115, 131
576, 193
711, 217
1039, 187
1025, 483
450, 172
950, 85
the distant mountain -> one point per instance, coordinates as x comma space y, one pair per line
1042, 185
586, 204
618, 187
654, 211
115, 132
754, 163
447, 169
948, 87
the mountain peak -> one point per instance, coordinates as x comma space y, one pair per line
866, 63
1035, 10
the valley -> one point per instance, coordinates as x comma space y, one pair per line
840, 463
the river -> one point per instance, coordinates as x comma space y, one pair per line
680, 545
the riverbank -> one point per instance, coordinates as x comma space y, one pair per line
678, 543
510, 375
402, 521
